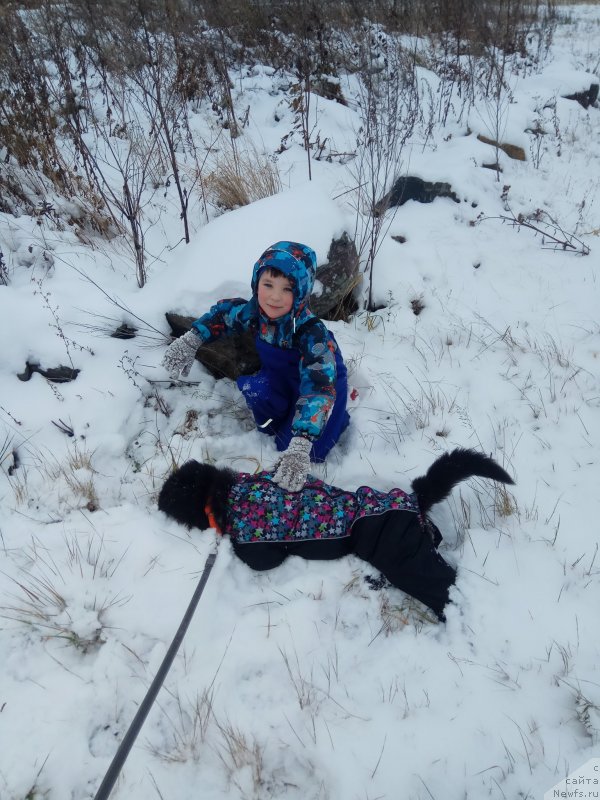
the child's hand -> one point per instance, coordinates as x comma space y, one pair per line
180, 354
294, 465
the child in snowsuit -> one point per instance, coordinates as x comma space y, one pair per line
389, 530
299, 395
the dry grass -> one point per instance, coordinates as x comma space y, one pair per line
46, 597
188, 729
241, 177
505, 503
395, 616
78, 475
238, 752
73, 478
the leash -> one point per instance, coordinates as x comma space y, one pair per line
114, 769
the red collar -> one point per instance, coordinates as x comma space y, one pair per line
211, 518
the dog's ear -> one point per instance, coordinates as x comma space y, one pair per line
185, 492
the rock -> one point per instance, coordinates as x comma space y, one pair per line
511, 150
586, 98
229, 357
60, 374
411, 188
124, 331
329, 89
336, 280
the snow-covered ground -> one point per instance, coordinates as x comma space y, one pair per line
303, 682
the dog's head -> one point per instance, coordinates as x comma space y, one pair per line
186, 492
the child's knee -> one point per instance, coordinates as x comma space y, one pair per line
254, 387
262, 398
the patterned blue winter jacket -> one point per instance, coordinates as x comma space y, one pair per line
317, 347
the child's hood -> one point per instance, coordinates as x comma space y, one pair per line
296, 261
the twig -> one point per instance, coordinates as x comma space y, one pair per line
118, 303
540, 222
380, 757
62, 426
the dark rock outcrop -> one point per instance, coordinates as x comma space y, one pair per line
411, 188
337, 278
226, 358
587, 97
124, 331
60, 374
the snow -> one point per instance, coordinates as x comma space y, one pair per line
304, 213
303, 682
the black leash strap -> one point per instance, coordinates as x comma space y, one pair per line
113, 771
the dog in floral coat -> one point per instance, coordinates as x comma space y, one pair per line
390, 530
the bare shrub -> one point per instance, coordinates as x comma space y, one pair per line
128, 74
31, 161
389, 109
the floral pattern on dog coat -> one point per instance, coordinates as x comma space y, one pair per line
260, 511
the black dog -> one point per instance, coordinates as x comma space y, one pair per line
389, 530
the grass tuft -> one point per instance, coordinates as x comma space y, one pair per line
241, 177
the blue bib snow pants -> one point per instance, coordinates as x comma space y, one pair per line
272, 393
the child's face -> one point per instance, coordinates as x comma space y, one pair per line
275, 295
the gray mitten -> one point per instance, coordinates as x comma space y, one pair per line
294, 465
181, 353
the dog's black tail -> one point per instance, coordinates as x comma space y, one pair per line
452, 468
